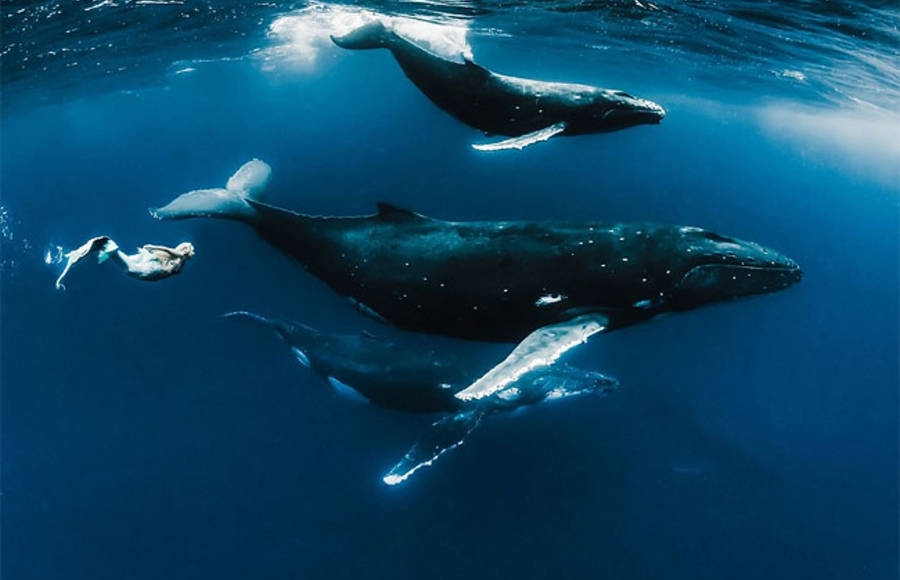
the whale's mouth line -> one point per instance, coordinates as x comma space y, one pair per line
792, 270
746, 268
650, 108
649, 111
753, 268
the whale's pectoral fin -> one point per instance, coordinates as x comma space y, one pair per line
541, 348
525, 140
444, 435
562, 381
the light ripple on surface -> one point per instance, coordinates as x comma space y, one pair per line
846, 54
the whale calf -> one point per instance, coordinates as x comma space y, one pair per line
550, 285
527, 110
416, 378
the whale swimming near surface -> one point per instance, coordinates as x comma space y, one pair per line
548, 285
419, 379
527, 110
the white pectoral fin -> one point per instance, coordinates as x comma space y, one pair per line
541, 348
523, 141
442, 436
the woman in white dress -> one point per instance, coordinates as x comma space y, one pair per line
150, 263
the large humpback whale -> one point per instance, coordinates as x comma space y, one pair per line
414, 377
527, 110
550, 285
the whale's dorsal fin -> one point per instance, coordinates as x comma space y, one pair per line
473, 67
392, 213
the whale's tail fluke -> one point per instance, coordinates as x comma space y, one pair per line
248, 183
372, 35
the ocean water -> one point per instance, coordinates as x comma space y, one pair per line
143, 436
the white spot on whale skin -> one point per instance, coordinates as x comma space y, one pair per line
557, 393
550, 299
509, 394
301, 356
99, 5
346, 391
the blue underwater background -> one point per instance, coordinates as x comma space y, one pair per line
143, 436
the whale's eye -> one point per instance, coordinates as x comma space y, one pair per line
717, 238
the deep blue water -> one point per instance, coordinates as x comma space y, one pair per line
145, 437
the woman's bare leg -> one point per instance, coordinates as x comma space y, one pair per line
78, 254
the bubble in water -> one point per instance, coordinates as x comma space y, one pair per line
53, 255
300, 36
5, 229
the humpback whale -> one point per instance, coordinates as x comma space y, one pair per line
548, 285
527, 110
416, 378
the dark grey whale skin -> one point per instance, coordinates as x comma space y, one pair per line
502, 105
399, 377
499, 281
416, 377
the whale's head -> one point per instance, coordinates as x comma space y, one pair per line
708, 267
610, 110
